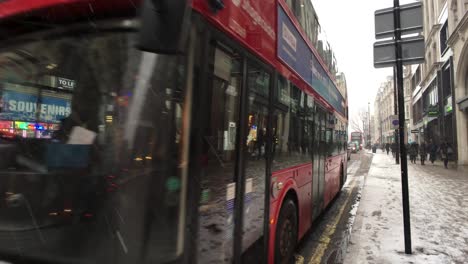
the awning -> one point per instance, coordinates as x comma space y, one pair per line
463, 103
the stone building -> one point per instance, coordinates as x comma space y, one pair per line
439, 91
457, 36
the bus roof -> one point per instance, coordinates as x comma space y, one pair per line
56, 8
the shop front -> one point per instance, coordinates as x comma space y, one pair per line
32, 112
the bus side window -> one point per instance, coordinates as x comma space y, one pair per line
290, 132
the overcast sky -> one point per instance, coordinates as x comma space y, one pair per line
349, 26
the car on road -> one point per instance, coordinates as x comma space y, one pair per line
352, 147
349, 154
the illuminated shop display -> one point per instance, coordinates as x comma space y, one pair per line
30, 126
32, 112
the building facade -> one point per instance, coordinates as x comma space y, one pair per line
438, 86
407, 75
384, 110
457, 37
377, 137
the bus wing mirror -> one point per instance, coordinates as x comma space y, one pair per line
164, 26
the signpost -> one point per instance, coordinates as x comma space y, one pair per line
433, 111
412, 48
66, 84
410, 20
407, 19
395, 122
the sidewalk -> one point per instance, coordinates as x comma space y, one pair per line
439, 218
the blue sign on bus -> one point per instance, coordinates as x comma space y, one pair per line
293, 50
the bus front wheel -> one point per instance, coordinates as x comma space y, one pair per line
286, 233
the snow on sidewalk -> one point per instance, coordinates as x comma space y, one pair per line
439, 215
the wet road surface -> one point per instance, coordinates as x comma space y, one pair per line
328, 239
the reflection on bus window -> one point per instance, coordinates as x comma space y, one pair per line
86, 170
255, 168
290, 128
216, 209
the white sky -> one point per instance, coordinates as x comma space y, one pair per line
349, 26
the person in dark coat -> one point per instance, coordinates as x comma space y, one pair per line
260, 143
433, 152
413, 152
394, 148
445, 151
387, 147
423, 153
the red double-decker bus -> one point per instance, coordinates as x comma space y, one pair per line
356, 137
165, 131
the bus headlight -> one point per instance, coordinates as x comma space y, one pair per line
275, 188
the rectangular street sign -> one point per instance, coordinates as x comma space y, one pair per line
412, 51
411, 20
394, 121
415, 131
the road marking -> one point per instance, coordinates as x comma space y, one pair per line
122, 242
120, 216
325, 238
354, 167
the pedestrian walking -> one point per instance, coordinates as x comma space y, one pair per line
433, 152
445, 152
260, 143
413, 152
423, 152
387, 147
394, 148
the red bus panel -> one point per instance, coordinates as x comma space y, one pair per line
55, 8
251, 22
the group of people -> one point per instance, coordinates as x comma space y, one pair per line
444, 150
422, 150
387, 147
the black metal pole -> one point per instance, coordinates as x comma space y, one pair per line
395, 109
401, 117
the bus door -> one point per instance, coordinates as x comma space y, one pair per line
233, 118
318, 161
216, 123
255, 160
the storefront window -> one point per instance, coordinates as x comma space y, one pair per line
32, 112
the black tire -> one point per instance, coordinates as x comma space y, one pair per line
286, 233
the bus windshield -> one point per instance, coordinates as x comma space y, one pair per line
91, 145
